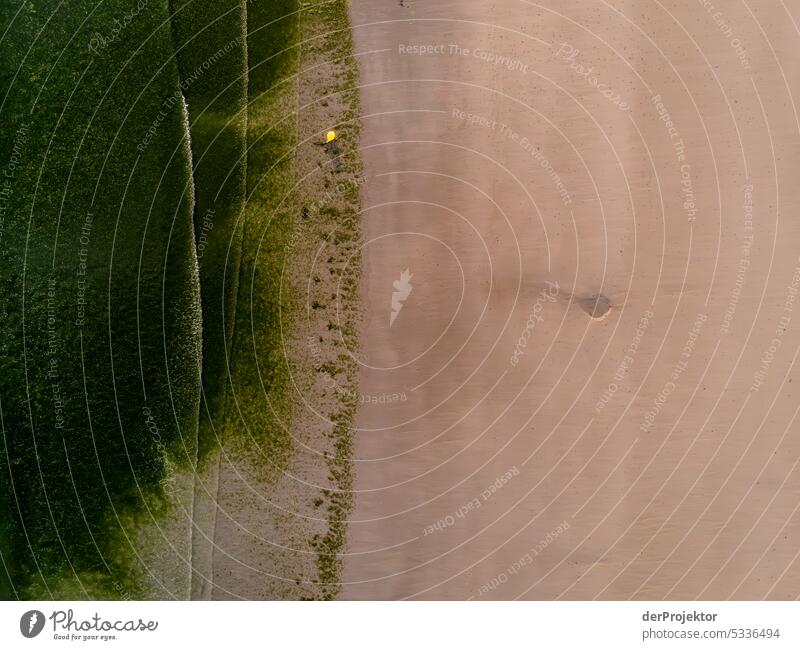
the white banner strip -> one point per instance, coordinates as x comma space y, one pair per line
401, 625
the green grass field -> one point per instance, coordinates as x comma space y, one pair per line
100, 298
148, 150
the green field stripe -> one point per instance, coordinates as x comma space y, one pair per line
211, 49
99, 280
260, 371
210, 44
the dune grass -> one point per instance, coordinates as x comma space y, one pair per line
297, 56
332, 71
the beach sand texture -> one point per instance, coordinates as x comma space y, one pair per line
584, 388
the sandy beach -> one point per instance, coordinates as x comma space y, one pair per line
580, 324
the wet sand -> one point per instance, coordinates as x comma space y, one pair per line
583, 385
